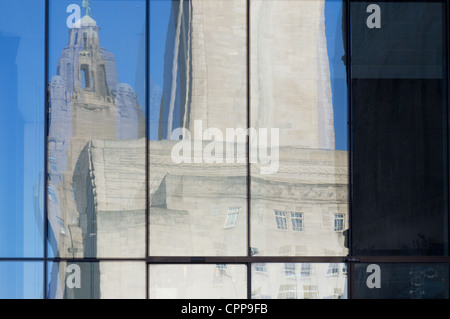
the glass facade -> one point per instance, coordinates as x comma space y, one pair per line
226, 149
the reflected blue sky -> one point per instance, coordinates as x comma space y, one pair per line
21, 280
335, 46
21, 127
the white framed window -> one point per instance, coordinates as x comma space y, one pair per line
344, 269
339, 222
52, 163
219, 273
260, 267
281, 220
305, 270
333, 269
310, 292
254, 251
232, 217
62, 229
289, 220
297, 221
289, 269
52, 194
287, 292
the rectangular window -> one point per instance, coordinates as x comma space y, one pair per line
333, 269
232, 217
260, 267
289, 269
310, 292
338, 222
287, 292
84, 76
281, 220
305, 270
297, 221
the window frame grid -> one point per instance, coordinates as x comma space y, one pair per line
248, 260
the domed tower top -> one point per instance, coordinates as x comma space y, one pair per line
85, 21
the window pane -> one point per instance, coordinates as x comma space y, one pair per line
399, 113
198, 121
300, 281
221, 281
96, 144
299, 117
96, 280
401, 281
21, 280
22, 113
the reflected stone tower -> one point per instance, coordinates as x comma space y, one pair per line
205, 69
86, 102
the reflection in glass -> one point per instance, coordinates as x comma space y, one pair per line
220, 281
298, 107
299, 281
21, 280
401, 281
198, 121
399, 116
96, 140
22, 114
96, 280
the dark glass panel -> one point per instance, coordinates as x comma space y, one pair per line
399, 129
401, 281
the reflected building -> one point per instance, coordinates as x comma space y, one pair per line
199, 207
86, 102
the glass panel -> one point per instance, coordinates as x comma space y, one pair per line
399, 111
299, 281
299, 173
221, 281
21, 280
401, 281
198, 121
22, 113
96, 280
96, 143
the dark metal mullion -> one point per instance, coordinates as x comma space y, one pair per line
46, 128
349, 133
147, 138
350, 281
447, 146
243, 259
249, 250
447, 59
247, 259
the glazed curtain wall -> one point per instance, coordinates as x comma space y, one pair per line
282, 149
